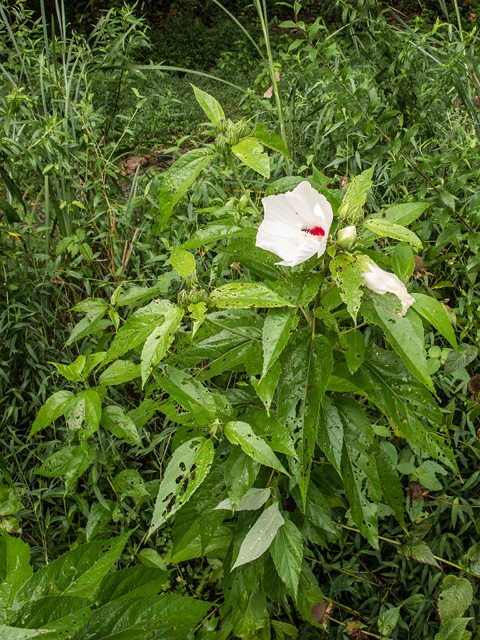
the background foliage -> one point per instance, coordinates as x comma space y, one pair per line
370, 89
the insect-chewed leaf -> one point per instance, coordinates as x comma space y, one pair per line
260, 536
185, 472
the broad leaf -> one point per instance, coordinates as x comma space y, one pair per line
215, 231
355, 197
182, 261
436, 314
75, 573
55, 407
241, 295
347, 274
386, 229
405, 214
403, 262
387, 620
240, 473
355, 353
455, 598
137, 328
466, 354
270, 139
211, 107
159, 341
242, 434
278, 326
251, 501
309, 594
307, 369
260, 536
252, 154
61, 615
287, 554
131, 483
417, 550
115, 420
187, 469
132, 582
119, 372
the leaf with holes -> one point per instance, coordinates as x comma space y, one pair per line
182, 261
241, 295
55, 407
131, 483
187, 469
355, 353
260, 536
251, 152
308, 362
386, 229
387, 620
159, 341
356, 195
347, 275
115, 420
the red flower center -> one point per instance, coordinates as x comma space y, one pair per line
317, 231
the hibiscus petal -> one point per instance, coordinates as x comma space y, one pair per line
303, 252
312, 206
382, 282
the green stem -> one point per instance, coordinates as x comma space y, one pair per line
245, 191
262, 17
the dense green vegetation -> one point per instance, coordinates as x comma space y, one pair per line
198, 442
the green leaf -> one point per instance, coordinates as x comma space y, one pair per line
69, 462
277, 328
216, 231
240, 473
85, 327
309, 594
252, 154
178, 179
455, 630
55, 407
9, 211
72, 371
405, 214
242, 434
135, 619
417, 550
307, 369
61, 615
14, 555
158, 342
287, 554
86, 407
260, 536
455, 598
132, 582
181, 480
119, 372
142, 294
404, 334
392, 488
273, 432
241, 295
131, 483
355, 353
386, 229
182, 261
387, 620
356, 195
466, 354
115, 420
14, 633
75, 573
330, 433
151, 558
403, 262
137, 328
270, 139
346, 273
211, 107
251, 501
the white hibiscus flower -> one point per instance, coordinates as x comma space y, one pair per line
296, 225
382, 282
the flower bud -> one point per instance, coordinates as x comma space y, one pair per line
197, 295
221, 144
191, 281
346, 238
182, 299
223, 126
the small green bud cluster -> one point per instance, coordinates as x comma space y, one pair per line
192, 294
230, 134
